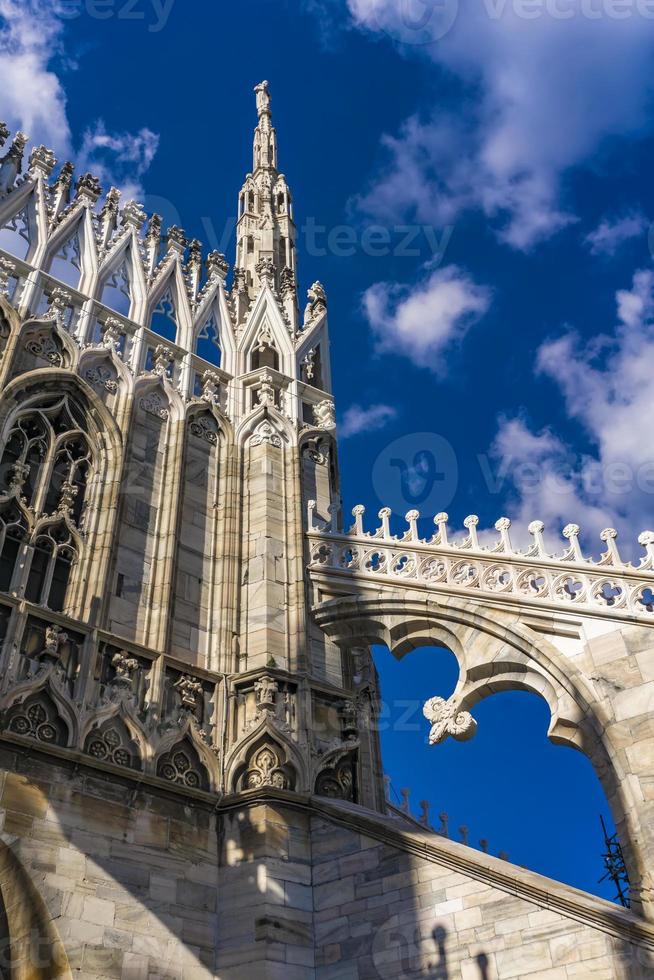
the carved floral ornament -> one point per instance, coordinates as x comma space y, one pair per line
265, 769
101, 377
265, 433
447, 719
153, 404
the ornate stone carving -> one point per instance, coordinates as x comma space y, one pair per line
152, 403
190, 692
265, 270
101, 377
112, 333
7, 271
67, 499
204, 427
55, 638
446, 719
211, 387
124, 666
317, 303
266, 433
20, 472
182, 766
324, 414
46, 346
133, 215
287, 283
58, 303
37, 718
90, 186
163, 358
217, 265
337, 782
265, 769
266, 390
109, 745
176, 240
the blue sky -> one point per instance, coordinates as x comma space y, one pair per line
472, 185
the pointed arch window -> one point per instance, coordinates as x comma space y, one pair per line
66, 264
117, 291
13, 531
265, 356
207, 343
164, 318
46, 465
54, 552
15, 235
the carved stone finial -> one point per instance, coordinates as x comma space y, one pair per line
646, 540
265, 270
42, 160
217, 265
89, 186
133, 215
503, 525
176, 240
447, 719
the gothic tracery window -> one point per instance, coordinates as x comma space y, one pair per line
44, 471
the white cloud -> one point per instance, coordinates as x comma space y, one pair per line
357, 419
424, 320
540, 96
118, 158
608, 389
611, 233
34, 100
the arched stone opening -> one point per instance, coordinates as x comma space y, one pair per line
497, 653
509, 790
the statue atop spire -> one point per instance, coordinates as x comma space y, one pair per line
265, 138
263, 99
266, 231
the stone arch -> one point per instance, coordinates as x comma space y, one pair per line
282, 767
38, 716
497, 653
41, 343
113, 741
40, 390
182, 763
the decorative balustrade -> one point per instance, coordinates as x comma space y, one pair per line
498, 570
